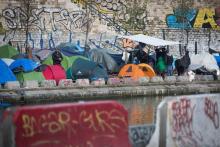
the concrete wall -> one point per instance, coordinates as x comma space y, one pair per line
54, 21
185, 121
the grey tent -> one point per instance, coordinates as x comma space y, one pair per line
102, 57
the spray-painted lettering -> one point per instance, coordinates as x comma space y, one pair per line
211, 110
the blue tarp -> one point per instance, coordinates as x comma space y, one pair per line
217, 58
5, 73
25, 65
70, 49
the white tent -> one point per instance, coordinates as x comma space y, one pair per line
150, 40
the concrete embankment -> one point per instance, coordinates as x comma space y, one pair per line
89, 92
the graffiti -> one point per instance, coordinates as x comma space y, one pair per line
141, 135
211, 110
105, 124
16, 18
119, 13
182, 119
53, 122
181, 19
192, 18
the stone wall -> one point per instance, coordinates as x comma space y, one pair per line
54, 21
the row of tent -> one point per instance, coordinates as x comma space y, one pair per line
98, 64
72, 67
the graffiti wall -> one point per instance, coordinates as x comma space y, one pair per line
188, 121
99, 21
93, 124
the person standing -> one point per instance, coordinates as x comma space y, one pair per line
169, 65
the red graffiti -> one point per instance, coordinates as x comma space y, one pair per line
182, 120
182, 116
211, 110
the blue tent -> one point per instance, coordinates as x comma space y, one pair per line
25, 65
5, 73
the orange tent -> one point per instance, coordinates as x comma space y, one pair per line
131, 70
136, 71
147, 69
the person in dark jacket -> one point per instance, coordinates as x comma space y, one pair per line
57, 57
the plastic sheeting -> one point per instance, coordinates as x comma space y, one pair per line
205, 60
150, 40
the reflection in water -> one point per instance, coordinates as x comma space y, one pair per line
141, 110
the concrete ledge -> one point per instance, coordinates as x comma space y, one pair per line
48, 84
143, 80
66, 83
62, 94
99, 82
170, 79
182, 79
12, 85
30, 84
114, 81
82, 82
130, 81
156, 79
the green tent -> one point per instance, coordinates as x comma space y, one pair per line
66, 62
7, 51
28, 76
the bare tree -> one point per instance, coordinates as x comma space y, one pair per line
27, 6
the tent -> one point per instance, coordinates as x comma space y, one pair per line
150, 40
147, 69
101, 57
66, 62
136, 71
25, 65
131, 70
5, 73
7, 51
42, 54
29, 76
82, 68
70, 49
71, 60
8, 61
54, 72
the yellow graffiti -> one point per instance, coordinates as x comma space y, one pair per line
28, 125
55, 122
89, 119
206, 15
61, 122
